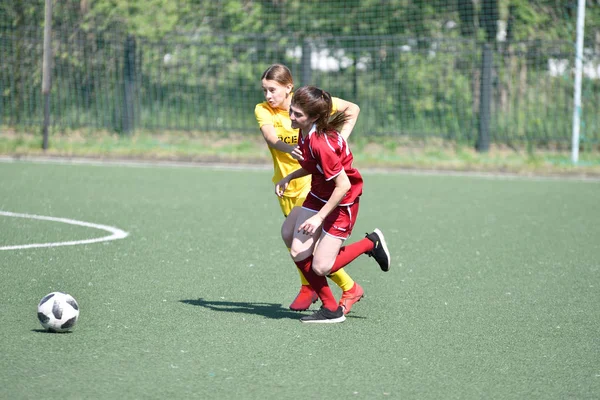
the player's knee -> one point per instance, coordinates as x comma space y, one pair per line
295, 253
300, 254
287, 235
320, 268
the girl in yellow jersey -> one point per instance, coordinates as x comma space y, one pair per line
275, 124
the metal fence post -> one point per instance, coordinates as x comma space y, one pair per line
129, 73
483, 140
47, 71
306, 70
578, 78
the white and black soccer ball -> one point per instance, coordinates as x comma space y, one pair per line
58, 312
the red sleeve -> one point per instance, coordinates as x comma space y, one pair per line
327, 157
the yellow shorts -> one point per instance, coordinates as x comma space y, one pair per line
287, 203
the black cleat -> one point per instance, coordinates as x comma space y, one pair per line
324, 316
380, 252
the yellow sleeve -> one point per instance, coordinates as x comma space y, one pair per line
334, 104
263, 115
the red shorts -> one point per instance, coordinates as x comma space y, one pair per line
340, 222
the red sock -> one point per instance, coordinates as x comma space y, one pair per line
318, 283
349, 253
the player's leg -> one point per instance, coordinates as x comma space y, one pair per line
340, 223
329, 312
325, 253
342, 279
326, 256
288, 204
373, 244
302, 248
306, 296
301, 245
351, 291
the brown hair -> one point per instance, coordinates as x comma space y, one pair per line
278, 73
317, 103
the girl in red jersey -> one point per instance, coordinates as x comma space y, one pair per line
316, 231
274, 121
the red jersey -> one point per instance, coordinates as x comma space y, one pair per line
325, 157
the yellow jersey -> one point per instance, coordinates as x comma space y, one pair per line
283, 163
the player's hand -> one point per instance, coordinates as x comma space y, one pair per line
297, 153
281, 186
310, 226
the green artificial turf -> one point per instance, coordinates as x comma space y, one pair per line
493, 291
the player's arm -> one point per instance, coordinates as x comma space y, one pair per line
270, 136
285, 181
342, 185
352, 110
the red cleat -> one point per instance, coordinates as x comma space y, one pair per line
349, 297
305, 298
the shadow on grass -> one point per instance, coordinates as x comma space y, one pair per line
268, 310
50, 332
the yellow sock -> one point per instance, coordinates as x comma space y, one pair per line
302, 278
342, 279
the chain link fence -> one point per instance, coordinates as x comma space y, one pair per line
414, 86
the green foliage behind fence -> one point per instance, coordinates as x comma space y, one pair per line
409, 67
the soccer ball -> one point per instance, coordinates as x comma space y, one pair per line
58, 312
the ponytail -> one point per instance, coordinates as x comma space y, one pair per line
318, 103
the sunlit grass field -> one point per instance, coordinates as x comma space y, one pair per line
373, 151
493, 292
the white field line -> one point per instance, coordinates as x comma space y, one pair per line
116, 233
